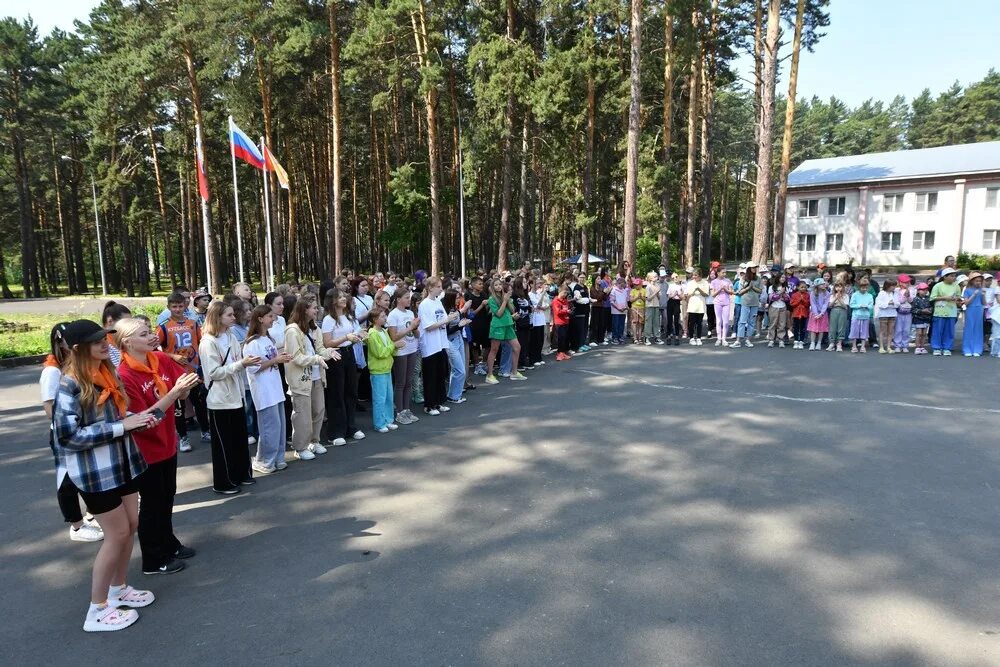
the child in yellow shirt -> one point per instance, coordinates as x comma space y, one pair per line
637, 306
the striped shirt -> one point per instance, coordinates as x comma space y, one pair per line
98, 454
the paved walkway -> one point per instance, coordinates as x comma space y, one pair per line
651, 506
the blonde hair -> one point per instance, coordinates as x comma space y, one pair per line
81, 366
429, 283
213, 318
125, 330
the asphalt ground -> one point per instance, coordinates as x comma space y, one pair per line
648, 505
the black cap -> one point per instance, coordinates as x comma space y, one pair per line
84, 331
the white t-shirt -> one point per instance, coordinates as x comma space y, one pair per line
265, 385
433, 341
389, 289
400, 319
277, 332
339, 328
537, 299
49, 383
362, 304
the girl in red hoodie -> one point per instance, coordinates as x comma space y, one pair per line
799, 304
560, 323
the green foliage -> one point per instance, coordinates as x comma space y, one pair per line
409, 206
979, 262
647, 256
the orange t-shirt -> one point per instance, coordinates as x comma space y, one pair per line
181, 337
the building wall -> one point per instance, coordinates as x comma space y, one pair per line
959, 220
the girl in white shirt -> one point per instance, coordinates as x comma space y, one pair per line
404, 325
433, 342
265, 386
340, 332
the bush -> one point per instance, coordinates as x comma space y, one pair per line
979, 262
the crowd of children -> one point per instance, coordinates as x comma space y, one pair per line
123, 395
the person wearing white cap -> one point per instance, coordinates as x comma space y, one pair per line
946, 295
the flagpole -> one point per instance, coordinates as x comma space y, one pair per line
204, 212
461, 197
267, 217
236, 199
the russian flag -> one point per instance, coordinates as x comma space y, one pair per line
243, 148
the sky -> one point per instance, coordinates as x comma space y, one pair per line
872, 48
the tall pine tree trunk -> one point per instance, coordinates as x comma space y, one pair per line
778, 241
212, 270
690, 183
161, 199
668, 113
632, 150
419, 20
761, 215
337, 259
523, 233
707, 111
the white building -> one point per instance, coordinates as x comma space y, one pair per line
892, 209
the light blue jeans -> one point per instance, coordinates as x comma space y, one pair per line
383, 410
748, 320
271, 440
456, 359
506, 360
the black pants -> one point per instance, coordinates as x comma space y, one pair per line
364, 382
288, 402
672, 324
535, 340
436, 374
561, 333
578, 335
230, 452
341, 395
68, 497
598, 325
799, 328
524, 339
710, 314
197, 398
157, 488
694, 324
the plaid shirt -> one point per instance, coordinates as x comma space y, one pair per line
96, 459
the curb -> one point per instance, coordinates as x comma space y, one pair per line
14, 362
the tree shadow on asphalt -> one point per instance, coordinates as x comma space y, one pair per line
616, 523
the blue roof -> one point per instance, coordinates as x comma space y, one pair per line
922, 162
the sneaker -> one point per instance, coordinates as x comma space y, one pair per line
903, 350
206, 436
562, 357
261, 469
718, 342
304, 455
864, 350
184, 444
109, 619
660, 341
892, 351
517, 377
336, 442
840, 347
505, 375
946, 353
358, 435
412, 417
227, 492
830, 349
479, 370
382, 430
87, 532
391, 426
172, 566
937, 353
432, 412
184, 552
736, 345
883, 351
748, 343
127, 596
457, 401
692, 341
316, 448
976, 354
770, 343
649, 342
585, 348
492, 379
443, 408
280, 465
251, 440
402, 418
781, 343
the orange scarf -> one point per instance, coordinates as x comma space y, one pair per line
51, 361
104, 378
152, 366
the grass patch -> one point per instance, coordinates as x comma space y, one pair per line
27, 334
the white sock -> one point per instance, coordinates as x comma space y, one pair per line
114, 591
94, 607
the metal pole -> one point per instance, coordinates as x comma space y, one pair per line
269, 281
204, 213
461, 198
100, 246
236, 199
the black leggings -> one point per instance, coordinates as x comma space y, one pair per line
694, 324
710, 314
157, 488
524, 339
799, 327
68, 497
536, 338
341, 395
673, 320
436, 375
197, 398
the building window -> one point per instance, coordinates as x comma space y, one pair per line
926, 202
808, 208
807, 242
992, 197
836, 206
892, 240
834, 242
991, 239
892, 203
923, 240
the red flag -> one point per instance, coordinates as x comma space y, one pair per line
200, 165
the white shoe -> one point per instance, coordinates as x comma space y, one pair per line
358, 435
280, 465
736, 345
304, 455
109, 619
184, 444
316, 448
382, 430
391, 426
770, 343
748, 343
130, 597
338, 442
88, 532
261, 469
444, 408
412, 417
251, 440
432, 412
691, 341
718, 342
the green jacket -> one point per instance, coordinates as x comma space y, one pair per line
380, 352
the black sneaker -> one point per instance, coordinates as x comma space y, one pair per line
249, 482
170, 567
184, 552
228, 492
